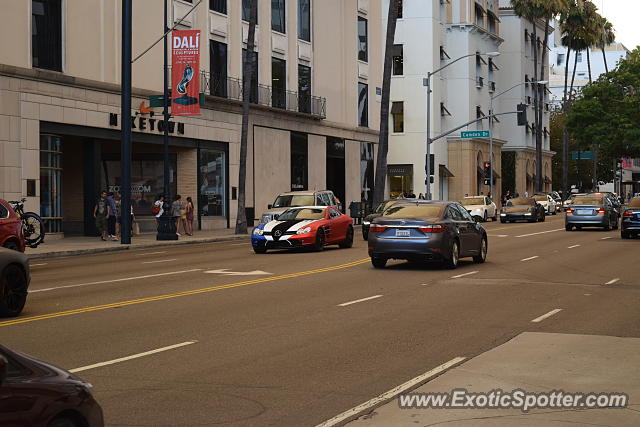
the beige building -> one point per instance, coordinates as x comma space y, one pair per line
314, 118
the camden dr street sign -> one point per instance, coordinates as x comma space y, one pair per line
475, 134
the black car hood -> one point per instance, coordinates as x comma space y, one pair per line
44, 372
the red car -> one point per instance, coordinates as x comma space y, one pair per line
11, 235
305, 226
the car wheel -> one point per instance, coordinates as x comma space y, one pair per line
482, 254
13, 291
625, 235
568, 227
503, 220
348, 242
484, 217
608, 226
319, 245
260, 249
379, 262
12, 244
452, 262
62, 422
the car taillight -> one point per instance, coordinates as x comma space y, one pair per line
628, 214
376, 228
601, 210
569, 210
437, 228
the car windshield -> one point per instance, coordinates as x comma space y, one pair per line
385, 205
540, 198
520, 201
288, 200
415, 211
635, 203
302, 214
588, 200
472, 201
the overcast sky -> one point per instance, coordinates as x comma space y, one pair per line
624, 15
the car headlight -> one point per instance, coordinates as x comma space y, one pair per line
503, 214
258, 231
366, 222
528, 213
304, 230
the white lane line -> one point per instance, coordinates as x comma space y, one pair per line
498, 235
384, 397
160, 260
424, 284
612, 281
540, 232
133, 356
462, 275
124, 279
607, 238
530, 258
37, 265
344, 304
152, 253
544, 316
239, 244
573, 246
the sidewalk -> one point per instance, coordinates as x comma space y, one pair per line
81, 245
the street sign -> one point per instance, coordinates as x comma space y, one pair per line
475, 134
584, 155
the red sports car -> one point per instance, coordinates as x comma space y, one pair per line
11, 235
305, 226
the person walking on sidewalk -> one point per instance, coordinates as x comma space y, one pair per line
101, 214
111, 220
178, 212
158, 207
189, 208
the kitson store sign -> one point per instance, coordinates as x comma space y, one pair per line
142, 123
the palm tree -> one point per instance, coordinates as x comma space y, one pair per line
383, 142
591, 31
608, 37
249, 70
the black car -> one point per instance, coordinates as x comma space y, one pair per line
630, 225
37, 394
376, 213
522, 209
14, 282
426, 231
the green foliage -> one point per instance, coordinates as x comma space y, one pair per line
508, 171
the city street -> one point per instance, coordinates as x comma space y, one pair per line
223, 336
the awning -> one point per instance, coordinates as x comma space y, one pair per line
444, 172
400, 170
397, 107
547, 180
490, 12
479, 6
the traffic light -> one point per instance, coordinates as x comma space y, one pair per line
487, 170
522, 114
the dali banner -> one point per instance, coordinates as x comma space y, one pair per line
185, 75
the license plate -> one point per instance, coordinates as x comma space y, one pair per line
403, 233
584, 211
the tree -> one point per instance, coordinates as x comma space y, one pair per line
608, 37
383, 141
249, 68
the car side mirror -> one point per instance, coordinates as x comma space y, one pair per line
4, 367
269, 206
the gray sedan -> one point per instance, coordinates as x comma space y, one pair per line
591, 210
426, 231
14, 282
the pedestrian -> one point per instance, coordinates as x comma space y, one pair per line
118, 201
111, 220
179, 214
526, 194
190, 208
158, 207
421, 196
101, 214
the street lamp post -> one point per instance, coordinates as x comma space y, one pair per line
125, 114
427, 82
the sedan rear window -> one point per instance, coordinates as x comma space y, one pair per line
415, 211
588, 201
635, 203
472, 201
540, 198
519, 201
291, 200
307, 213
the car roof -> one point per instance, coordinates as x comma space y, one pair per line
474, 197
303, 193
308, 207
425, 202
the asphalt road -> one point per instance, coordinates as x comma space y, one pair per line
282, 346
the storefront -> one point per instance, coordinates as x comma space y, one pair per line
400, 180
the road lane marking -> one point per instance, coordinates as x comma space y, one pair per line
37, 265
391, 394
540, 232
179, 294
607, 238
344, 304
612, 281
544, 316
226, 272
133, 356
498, 235
124, 279
159, 260
152, 253
573, 246
240, 244
530, 258
465, 274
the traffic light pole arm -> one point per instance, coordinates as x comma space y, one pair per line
442, 135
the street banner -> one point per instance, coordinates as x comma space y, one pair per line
185, 73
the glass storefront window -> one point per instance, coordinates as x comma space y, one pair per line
211, 182
51, 182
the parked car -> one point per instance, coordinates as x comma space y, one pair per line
630, 224
308, 226
547, 203
11, 233
38, 394
426, 231
522, 209
591, 210
376, 213
292, 199
481, 207
15, 276
568, 202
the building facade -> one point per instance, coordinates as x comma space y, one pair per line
313, 122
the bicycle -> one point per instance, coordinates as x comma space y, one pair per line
32, 224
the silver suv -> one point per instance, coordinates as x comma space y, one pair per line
298, 198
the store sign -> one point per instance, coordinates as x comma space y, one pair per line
141, 124
185, 72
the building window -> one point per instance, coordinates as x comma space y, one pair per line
51, 182
246, 11
304, 20
492, 23
253, 97
399, 3
560, 59
579, 56
479, 16
363, 48
211, 183
363, 104
398, 60
278, 16
46, 34
299, 161
397, 112
218, 67
218, 6
278, 82
304, 89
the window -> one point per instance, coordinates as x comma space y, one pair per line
278, 16
363, 104
254, 80
397, 112
479, 16
579, 56
51, 182
304, 20
278, 82
492, 23
218, 67
218, 6
304, 89
299, 161
398, 60
246, 10
560, 59
399, 2
46, 34
211, 183
363, 48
